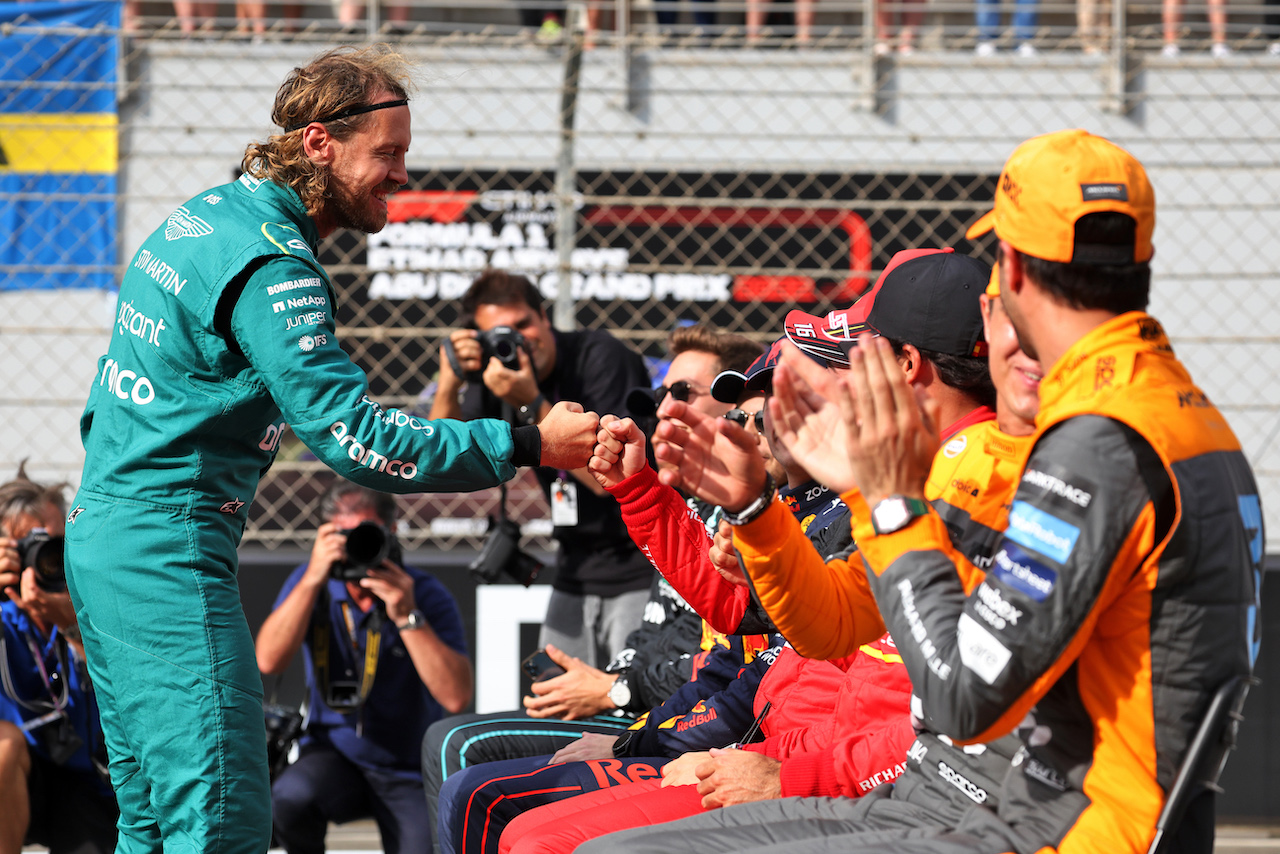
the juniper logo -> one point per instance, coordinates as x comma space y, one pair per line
181, 223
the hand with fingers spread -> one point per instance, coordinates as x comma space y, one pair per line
896, 428
724, 557
812, 415
711, 458
619, 451
580, 692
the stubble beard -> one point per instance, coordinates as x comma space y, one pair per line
352, 210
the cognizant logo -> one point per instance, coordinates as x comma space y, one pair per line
368, 457
126, 384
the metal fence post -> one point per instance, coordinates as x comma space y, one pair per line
566, 172
865, 73
1118, 98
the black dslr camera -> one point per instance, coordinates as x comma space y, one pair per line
505, 344
502, 554
368, 545
43, 553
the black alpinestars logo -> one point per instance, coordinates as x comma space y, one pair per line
232, 506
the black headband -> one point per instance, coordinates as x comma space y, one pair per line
349, 112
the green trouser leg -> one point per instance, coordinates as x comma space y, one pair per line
172, 663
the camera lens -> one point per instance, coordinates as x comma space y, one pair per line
505, 350
367, 545
44, 554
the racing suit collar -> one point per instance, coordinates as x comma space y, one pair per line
1109, 351
977, 416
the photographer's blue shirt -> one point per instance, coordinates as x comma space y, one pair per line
399, 708
25, 677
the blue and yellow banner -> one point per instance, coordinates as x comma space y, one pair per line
58, 144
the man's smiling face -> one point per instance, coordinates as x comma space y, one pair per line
369, 166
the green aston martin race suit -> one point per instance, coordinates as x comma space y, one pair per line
223, 334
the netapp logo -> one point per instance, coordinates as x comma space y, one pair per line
368, 457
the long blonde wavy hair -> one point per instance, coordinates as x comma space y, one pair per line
337, 80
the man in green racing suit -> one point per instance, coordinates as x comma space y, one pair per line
224, 335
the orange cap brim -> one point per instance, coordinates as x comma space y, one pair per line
993, 286
985, 223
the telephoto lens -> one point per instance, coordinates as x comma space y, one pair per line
368, 545
43, 553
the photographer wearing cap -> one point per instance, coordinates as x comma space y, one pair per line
51, 791
512, 365
385, 653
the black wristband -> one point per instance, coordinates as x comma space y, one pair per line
526, 446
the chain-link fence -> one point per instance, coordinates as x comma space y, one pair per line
714, 174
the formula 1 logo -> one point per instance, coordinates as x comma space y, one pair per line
181, 223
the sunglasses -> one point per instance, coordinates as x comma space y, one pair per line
681, 390
741, 417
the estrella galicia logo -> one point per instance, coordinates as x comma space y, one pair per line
1032, 527
1021, 571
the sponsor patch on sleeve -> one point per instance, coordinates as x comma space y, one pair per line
1019, 570
980, 651
1035, 529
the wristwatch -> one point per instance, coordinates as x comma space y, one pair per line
530, 411
620, 691
415, 620
755, 508
896, 512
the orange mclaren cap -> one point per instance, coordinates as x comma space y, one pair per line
1051, 181
993, 286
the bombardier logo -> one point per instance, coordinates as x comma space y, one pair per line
295, 284
181, 223
1058, 487
368, 457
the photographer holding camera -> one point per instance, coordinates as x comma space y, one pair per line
51, 791
385, 653
512, 365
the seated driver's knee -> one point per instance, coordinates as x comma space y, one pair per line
13, 750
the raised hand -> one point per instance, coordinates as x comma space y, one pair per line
895, 428
711, 458
619, 451
568, 436
812, 415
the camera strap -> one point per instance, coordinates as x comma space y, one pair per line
57, 702
320, 635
